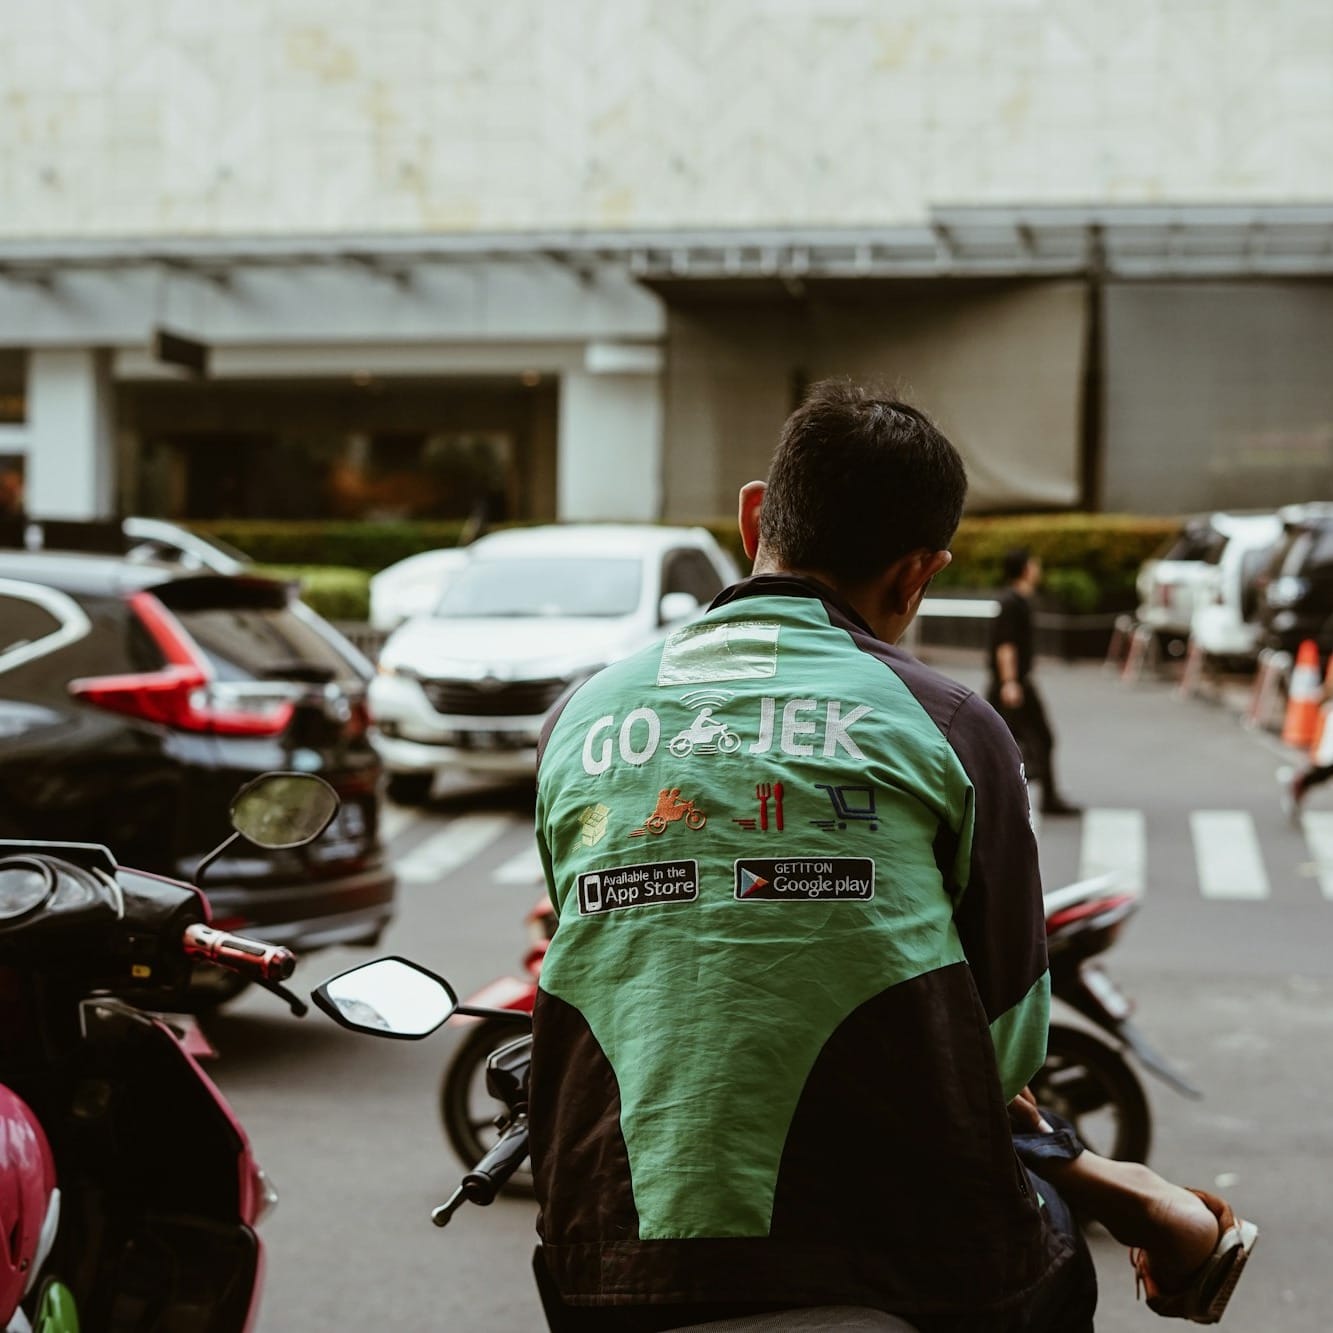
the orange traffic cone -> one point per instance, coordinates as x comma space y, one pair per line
1302, 718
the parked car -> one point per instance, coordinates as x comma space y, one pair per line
160, 539
1298, 584
533, 611
135, 537
412, 587
136, 698
1183, 576
1226, 625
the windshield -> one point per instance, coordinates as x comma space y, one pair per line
544, 586
1196, 541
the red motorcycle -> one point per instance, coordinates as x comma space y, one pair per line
1086, 1078
128, 1192
466, 1108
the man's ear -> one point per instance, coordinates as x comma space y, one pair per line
909, 577
751, 501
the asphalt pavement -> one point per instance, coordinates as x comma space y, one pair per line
1228, 959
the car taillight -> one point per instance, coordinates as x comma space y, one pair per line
182, 693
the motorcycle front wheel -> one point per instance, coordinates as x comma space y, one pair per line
468, 1110
1092, 1086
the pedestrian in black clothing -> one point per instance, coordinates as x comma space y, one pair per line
1012, 691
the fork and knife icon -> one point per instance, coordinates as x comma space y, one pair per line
764, 793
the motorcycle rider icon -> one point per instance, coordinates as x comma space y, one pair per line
705, 735
671, 808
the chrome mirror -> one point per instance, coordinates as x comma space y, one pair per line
388, 998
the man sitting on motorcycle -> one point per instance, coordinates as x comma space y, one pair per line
782, 1062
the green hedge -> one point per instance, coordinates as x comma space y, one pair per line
336, 592
353, 545
1090, 559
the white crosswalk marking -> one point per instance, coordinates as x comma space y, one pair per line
1227, 855
525, 868
1114, 842
454, 845
1318, 826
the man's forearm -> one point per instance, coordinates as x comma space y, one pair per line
1006, 663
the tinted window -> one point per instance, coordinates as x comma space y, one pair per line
1292, 558
263, 643
691, 571
1323, 547
23, 622
553, 586
1198, 541
1252, 566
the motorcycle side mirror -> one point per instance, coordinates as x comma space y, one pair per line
283, 810
677, 606
388, 998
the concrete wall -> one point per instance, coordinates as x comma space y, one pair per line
610, 446
1000, 367
171, 117
1217, 395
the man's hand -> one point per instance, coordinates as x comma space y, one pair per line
1011, 694
1025, 1115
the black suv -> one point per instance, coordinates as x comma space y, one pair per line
136, 698
1297, 601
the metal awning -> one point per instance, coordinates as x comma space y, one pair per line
963, 242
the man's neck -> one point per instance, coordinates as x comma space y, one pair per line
859, 596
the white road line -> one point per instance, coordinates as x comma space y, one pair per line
525, 868
1114, 842
455, 844
1318, 826
1227, 855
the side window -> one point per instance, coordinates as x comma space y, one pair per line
691, 571
35, 621
23, 622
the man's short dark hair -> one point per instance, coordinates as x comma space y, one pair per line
1014, 562
858, 480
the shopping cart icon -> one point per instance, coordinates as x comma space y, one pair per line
851, 805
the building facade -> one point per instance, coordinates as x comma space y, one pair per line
578, 260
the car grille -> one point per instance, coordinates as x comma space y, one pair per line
520, 698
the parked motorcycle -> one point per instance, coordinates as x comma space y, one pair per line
1085, 1079
393, 997
128, 1192
465, 1111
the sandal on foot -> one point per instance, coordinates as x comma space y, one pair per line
1205, 1298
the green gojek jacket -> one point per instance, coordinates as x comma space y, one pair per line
799, 972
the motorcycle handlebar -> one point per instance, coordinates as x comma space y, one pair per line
252, 958
486, 1179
